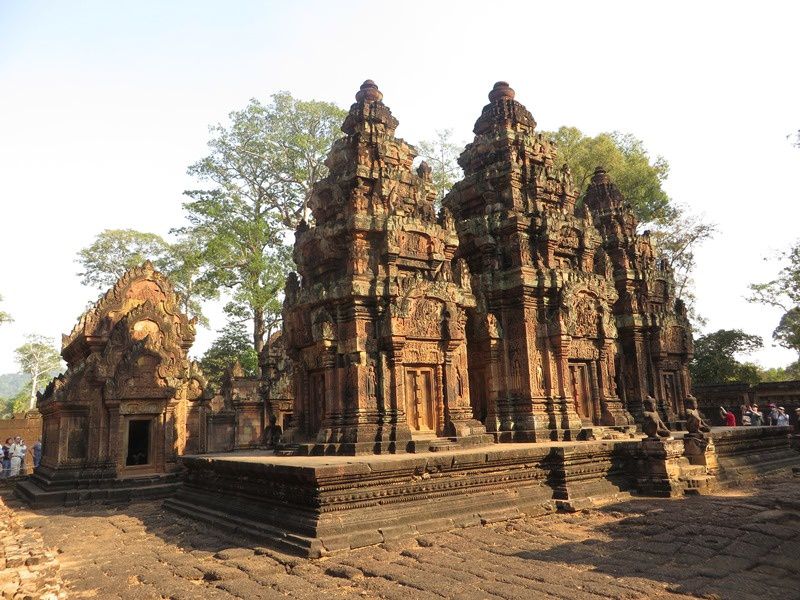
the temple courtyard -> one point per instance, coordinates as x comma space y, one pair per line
737, 543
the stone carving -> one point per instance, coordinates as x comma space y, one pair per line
694, 422
652, 424
379, 366
586, 316
558, 310
128, 378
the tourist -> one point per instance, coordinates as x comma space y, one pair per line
756, 417
772, 419
17, 451
782, 420
37, 453
746, 415
728, 417
7, 457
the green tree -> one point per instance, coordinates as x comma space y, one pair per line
115, 251
38, 358
4, 316
261, 168
231, 344
676, 232
715, 357
789, 373
677, 239
441, 154
626, 160
783, 292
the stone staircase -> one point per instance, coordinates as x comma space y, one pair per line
432, 444
288, 450
697, 480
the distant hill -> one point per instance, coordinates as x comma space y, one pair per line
12, 383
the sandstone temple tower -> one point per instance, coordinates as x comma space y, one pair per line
127, 405
654, 332
375, 322
543, 337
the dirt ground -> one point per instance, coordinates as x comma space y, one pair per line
738, 544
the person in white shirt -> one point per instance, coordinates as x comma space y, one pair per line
17, 451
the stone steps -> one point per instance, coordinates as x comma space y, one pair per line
288, 450
698, 485
433, 444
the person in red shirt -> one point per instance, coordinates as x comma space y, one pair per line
730, 418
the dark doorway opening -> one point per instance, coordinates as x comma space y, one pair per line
138, 442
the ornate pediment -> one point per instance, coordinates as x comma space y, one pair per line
138, 286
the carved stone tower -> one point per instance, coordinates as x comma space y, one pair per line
542, 339
654, 331
375, 322
128, 404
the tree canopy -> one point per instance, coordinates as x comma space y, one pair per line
441, 154
115, 251
260, 170
676, 232
715, 357
783, 292
231, 344
37, 358
627, 162
4, 316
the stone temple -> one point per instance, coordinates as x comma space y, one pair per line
518, 310
519, 350
375, 323
115, 423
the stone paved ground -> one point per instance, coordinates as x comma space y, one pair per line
743, 544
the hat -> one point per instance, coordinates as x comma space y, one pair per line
781, 408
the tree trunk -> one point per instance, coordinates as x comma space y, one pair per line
34, 381
259, 328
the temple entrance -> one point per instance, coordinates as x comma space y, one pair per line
478, 394
138, 442
581, 391
420, 404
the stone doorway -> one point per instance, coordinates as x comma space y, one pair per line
478, 394
581, 391
420, 400
139, 451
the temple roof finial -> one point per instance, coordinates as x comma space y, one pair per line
600, 175
501, 91
369, 92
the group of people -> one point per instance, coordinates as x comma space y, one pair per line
14, 452
751, 415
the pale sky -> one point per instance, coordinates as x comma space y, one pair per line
103, 105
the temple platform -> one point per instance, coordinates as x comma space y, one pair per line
48, 487
313, 505
319, 504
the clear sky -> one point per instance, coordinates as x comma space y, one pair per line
103, 105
